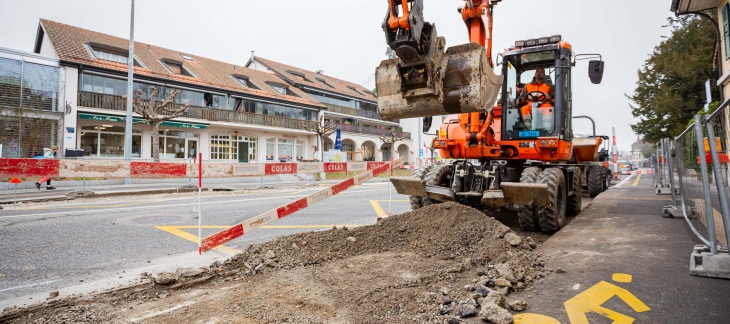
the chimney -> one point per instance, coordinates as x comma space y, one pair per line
253, 59
320, 72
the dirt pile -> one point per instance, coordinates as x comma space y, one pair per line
442, 263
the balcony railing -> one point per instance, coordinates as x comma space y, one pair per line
111, 102
371, 130
352, 111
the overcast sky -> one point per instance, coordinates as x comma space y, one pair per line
344, 38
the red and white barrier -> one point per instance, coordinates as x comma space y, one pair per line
240, 229
111, 169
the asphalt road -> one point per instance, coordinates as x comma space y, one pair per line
77, 246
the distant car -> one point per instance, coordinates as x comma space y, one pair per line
624, 167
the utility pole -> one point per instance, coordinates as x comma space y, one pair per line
130, 93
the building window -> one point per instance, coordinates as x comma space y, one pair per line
270, 149
726, 28
300, 150
324, 82
354, 90
104, 140
332, 100
225, 147
245, 81
282, 89
114, 56
177, 145
176, 68
285, 149
300, 76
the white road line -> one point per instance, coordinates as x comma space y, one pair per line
164, 311
31, 285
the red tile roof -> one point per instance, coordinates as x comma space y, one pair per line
337, 85
70, 43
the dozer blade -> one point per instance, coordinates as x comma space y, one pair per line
409, 186
530, 194
465, 83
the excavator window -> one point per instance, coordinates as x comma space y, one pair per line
534, 116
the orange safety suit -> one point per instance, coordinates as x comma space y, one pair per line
545, 108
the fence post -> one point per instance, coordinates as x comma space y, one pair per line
670, 171
705, 185
719, 181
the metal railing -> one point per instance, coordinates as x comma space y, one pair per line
352, 111
694, 168
111, 102
371, 130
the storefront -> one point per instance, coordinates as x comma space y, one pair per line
286, 149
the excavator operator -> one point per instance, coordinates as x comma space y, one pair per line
537, 94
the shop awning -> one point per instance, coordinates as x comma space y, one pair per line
122, 119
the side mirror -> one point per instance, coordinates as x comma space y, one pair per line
427, 121
595, 71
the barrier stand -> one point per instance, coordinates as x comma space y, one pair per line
200, 200
15, 182
672, 210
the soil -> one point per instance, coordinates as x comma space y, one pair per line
442, 263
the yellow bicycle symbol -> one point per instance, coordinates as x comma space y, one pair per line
590, 301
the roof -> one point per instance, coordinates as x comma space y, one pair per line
71, 43
684, 6
299, 77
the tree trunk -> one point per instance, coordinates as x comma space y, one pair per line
156, 142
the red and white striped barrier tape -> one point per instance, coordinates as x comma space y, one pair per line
240, 229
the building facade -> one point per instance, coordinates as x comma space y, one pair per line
237, 113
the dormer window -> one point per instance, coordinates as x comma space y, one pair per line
371, 93
187, 57
176, 68
299, 75
245, 81
280, 88
355, 90
324, 82
112, 55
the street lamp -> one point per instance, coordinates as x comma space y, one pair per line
391, 139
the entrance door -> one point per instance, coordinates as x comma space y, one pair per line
243, 152
191, 148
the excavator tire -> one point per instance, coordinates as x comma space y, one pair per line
526, 215
576, 199
552, 216
595, 180
420, 173
438, 175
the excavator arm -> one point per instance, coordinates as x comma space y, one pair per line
426, 79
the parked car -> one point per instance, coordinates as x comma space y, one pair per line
624, 167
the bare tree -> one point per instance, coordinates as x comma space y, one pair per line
323, 130
153, 113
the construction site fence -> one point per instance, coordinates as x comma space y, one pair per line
115, 169
693, 169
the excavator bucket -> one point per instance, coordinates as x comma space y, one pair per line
462, 82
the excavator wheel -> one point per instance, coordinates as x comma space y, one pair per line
552, 216
420, 173
576, 199
596, 180
526, 215
438, 175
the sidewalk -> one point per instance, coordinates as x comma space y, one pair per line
620, 259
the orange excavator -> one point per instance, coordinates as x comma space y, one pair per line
507, 149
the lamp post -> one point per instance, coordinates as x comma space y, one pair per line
391, 139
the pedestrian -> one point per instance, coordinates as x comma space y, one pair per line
48, 153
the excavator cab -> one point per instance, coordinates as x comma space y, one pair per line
542, 109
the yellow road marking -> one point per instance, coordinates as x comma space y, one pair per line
621, 277
590, 301
636, 182
175, 230
379, 210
